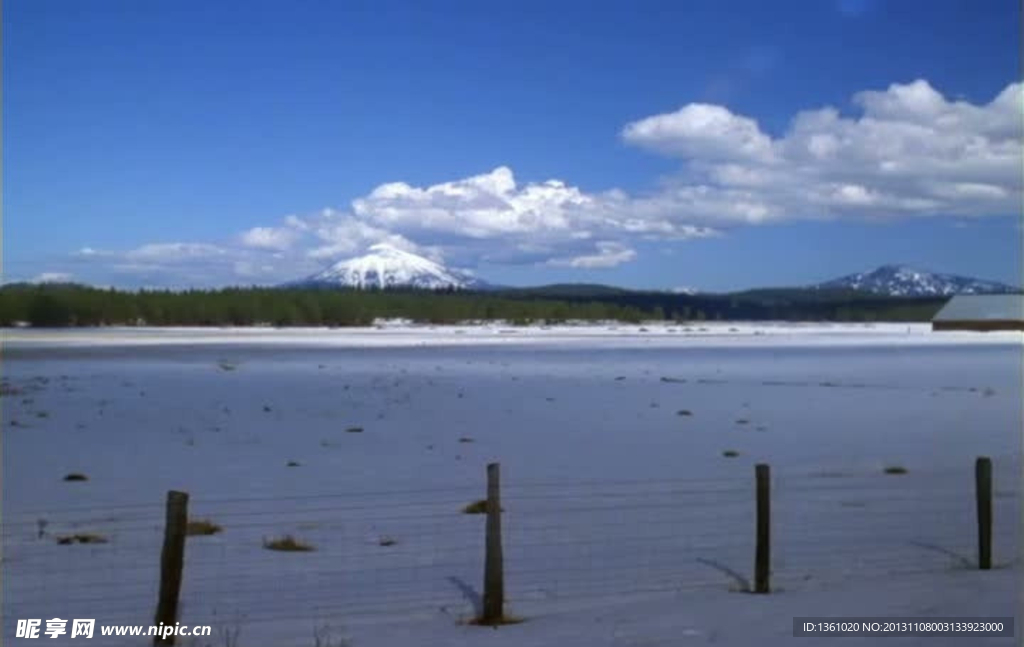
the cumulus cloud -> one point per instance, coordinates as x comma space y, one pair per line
911, 152
904, 151
609, 254
700, 130
186, 264
162, 252
492, 216
279, 238
337, 234
481, 206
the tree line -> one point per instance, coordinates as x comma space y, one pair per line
71, 305
54, 305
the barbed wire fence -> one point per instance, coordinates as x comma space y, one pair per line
371, 556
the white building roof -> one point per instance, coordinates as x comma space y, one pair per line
983, 307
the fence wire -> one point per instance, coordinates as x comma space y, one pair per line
402, 552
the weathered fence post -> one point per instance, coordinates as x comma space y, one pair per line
763, 553
494, 577
983, 494
172, 558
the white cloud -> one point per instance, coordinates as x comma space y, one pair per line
182, 264
700, 130
336, 234
911, 152
481, 206
278, 238
173, 252
609, 254
253, 270
53, 277
493, 216
907, 151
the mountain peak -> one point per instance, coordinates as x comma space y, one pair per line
387, 249
903, 280
387, 266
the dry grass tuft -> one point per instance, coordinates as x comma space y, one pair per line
288, 544
477, 507
201, 527
81, 538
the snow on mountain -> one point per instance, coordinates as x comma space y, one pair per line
683, 289
901, 280
387, 267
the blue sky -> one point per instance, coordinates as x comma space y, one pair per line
717, 145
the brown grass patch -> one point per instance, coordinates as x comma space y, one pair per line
288, 544
201, 527
81, 538
477, 507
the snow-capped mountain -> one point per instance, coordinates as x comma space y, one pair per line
901, 280
386, 266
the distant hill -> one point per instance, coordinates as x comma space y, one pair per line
905, 281
387, 267
787, 303
391, 283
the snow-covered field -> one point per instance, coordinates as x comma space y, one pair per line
625, 522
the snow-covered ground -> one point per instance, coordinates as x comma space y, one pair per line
391, 334
625, 523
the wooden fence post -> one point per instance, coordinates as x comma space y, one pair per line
494, 577
983, 495
762, 556
172, 559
